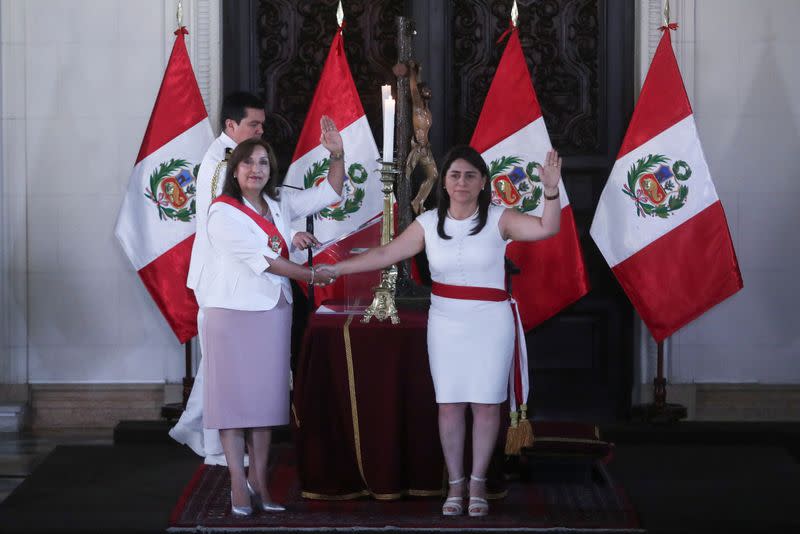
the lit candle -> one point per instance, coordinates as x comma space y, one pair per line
388, 129
386, 92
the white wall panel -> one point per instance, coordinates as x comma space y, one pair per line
97, 364
137, 87
71, 309
769, 238
142, 22
90, 81
13, 94
43, 68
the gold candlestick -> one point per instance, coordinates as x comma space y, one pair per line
383, 305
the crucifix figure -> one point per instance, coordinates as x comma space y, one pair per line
420, 154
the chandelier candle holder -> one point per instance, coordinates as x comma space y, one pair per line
383, 306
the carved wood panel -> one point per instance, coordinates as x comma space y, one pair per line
562, 46
580, 55
293, 39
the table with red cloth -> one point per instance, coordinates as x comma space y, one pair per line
365, 412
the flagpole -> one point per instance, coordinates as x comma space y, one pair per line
660, 383
188, 378
660, 411
173, 410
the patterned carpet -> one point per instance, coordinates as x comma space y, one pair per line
592, 503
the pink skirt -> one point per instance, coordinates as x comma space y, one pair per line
246, 370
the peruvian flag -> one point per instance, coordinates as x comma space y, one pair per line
512, 137
155, 225
660, 224
336, 96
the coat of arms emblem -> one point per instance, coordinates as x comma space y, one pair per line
515, 184
172, 189
275, 244
656, 187
353, 190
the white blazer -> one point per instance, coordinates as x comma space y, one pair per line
234, 275
203, 197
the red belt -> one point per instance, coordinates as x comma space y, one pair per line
469, 292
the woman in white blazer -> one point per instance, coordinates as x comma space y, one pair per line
248, 307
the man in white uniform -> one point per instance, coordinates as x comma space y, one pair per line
242, 118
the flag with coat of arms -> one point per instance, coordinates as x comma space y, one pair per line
512, 138
659, 223
337, 97
155, 225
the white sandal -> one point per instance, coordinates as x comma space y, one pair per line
478, 506
453, 505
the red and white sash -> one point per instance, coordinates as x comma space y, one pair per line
518, 381
274, 238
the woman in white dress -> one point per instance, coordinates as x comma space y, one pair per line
247, 306
470, 323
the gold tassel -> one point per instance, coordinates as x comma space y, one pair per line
513, 436
525, 428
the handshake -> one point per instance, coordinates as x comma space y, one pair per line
323, 274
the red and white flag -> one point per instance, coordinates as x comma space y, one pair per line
512, 137
156, 225
659, 223
336, 96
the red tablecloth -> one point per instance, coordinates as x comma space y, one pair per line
365, 410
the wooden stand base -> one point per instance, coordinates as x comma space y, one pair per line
172, 411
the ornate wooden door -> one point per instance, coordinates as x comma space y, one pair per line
580, 53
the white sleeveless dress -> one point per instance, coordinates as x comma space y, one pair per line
470, 342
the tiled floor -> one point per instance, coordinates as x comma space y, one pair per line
20, 453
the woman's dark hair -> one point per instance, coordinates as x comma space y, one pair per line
473, 157
241, 153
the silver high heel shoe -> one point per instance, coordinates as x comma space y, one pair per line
241, 511
266, 506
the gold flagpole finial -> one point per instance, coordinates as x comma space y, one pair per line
666, 13
514, 14
340, 14
179, 14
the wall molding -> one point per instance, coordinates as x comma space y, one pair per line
102, 406
62, 406
748, 402
733, 402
